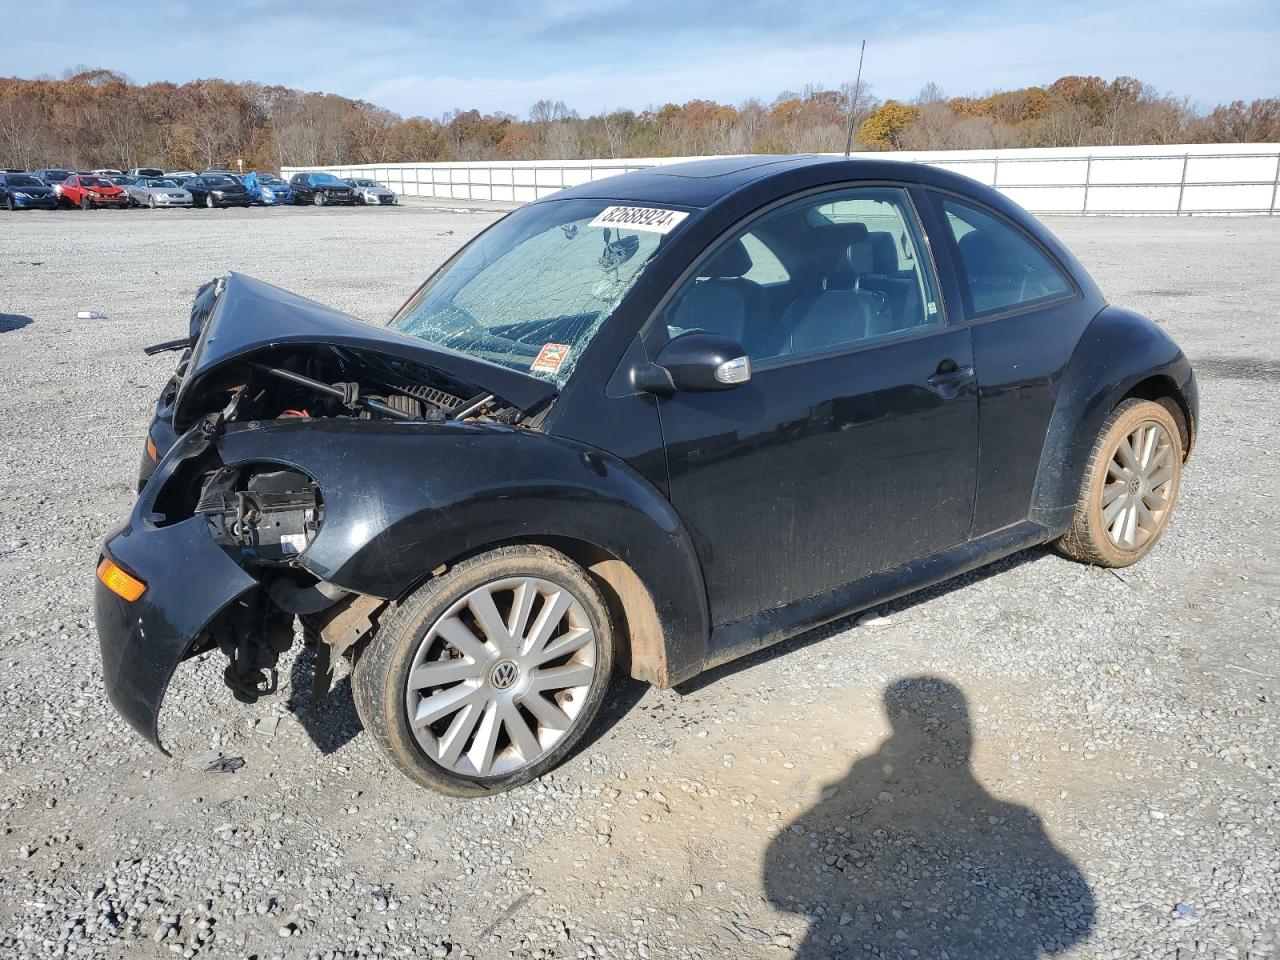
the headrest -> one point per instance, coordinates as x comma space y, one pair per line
731, 261
860, 257
885, 251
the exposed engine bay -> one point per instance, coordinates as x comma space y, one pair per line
264, 516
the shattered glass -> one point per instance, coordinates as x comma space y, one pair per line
532, 291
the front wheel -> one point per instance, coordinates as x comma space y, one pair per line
1129, 489
318, 199
85, 203
208, 201
486, 677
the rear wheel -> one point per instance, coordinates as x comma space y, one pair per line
1130, 487
487, 675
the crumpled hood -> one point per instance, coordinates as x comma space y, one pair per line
250, 316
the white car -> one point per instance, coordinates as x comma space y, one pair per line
157, 192
371, 192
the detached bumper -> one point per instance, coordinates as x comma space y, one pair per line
189, 581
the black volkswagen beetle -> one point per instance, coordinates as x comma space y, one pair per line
653, 422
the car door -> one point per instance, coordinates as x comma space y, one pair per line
1026, 314
852, 448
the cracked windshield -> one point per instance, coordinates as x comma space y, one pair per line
530, 293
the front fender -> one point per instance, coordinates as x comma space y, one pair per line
1118, 350
400, 499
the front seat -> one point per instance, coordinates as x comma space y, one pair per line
722, 300
835, 316
901, 294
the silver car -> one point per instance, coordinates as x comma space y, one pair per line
158, 192
371, 192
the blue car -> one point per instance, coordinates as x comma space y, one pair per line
24, 191
265, 189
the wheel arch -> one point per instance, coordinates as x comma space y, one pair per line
1162, 389
640, 640
401, 505
1121, 355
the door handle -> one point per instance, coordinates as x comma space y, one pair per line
949, 378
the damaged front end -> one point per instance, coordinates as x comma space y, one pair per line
243, 523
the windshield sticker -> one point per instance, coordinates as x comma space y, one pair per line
648, 219
550, 358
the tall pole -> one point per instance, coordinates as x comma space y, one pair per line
853, 107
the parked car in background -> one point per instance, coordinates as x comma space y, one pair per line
221, 172
371, 192
217, 190
87, 190
267, 189
108, 172
158, 192
180, 175
52, 177
320, 189
26, 191
120, 180
136, 172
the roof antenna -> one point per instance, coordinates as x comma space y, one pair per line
853, 107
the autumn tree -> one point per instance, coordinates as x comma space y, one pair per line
883, 130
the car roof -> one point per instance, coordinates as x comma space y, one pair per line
703, 183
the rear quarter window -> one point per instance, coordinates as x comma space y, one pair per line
1000, 267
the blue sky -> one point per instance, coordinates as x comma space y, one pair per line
429, 57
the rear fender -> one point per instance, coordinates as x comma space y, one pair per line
1117, 351
401, 499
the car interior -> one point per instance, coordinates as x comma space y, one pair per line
823, 276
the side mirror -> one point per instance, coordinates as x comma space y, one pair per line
696, 360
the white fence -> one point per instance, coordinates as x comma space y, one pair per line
1179, 179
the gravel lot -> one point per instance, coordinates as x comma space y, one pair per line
1040, 758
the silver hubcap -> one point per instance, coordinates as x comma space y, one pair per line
501, 676
1140, 475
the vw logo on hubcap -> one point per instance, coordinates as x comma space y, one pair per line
504, 675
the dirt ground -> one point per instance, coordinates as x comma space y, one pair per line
1039, 758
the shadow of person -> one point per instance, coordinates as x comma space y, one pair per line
910, 857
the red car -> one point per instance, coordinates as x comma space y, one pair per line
87, 190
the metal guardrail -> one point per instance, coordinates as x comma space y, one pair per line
536, 176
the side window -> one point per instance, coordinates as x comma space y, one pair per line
1002, 268
818, 275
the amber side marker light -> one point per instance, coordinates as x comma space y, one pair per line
151, 450
119, 582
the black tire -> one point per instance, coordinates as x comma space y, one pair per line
151, 202
8, 202
318, 198
381, 674
1088, 539
86, 203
